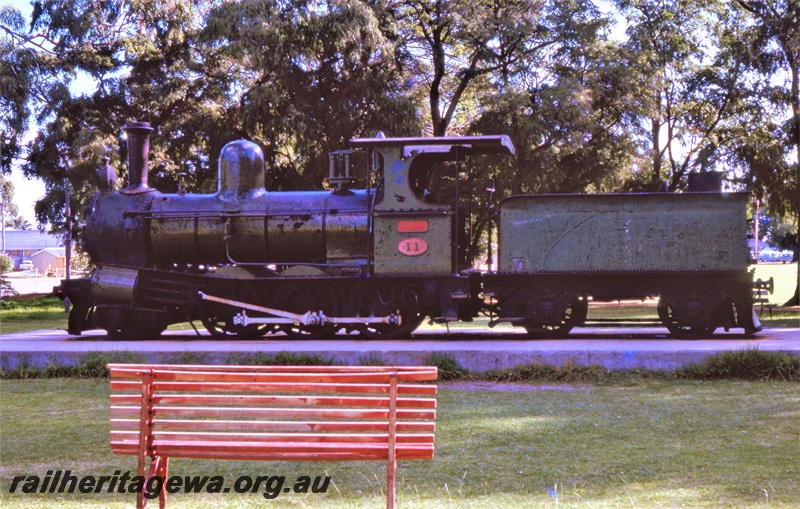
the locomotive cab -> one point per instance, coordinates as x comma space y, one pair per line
418, 229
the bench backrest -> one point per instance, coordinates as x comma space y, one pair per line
314, 413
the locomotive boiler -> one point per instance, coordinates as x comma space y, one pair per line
247, 261
376, 261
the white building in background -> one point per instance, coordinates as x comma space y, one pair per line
50, 262
23, 244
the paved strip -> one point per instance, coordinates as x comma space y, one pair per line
481, 350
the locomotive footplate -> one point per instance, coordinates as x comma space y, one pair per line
309, 318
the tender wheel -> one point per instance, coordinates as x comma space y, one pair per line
574, 315
671, 321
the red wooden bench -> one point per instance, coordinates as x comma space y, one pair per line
290, 413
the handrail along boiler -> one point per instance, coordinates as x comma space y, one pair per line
248, 261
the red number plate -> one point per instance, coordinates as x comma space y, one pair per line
413, 246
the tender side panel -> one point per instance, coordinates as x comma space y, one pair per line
623, 233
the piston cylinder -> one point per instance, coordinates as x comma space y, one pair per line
114, 284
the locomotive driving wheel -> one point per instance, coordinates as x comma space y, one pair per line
221, 326
574, 315
219, 321
670, 319
303, 297
368, 303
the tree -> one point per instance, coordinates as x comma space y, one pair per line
6, 264
298, 79
329, 74
779, 22
454, 49
567, 114
9, 212
686, 96
18, 77
775, 48
134, 55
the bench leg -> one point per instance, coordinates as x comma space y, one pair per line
158, 467
391, 466
163, 471
141, 500
391, 482
145, 435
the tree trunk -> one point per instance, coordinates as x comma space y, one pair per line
795, 300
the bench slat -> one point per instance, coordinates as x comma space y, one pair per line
175, 447
132, 437
299, 413
273, 368
297, 456
231, 376
135, 386
247, 399
320, 426
268, 455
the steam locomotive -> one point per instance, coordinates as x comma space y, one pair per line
378, 260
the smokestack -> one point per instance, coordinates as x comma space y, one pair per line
138, 151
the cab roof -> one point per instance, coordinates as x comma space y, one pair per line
491, 144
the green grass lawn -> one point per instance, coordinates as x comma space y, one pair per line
650, 444
37, 312
784, 275
31, 312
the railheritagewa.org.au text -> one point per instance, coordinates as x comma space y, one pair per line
64, 481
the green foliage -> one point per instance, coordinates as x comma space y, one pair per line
9, 212
6, 263
371, 360
746, 364
6, 289
91, 365
572, 373
449, 368
783, 235
17, 314
768, 39
279, 359
330, 74
28, 304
